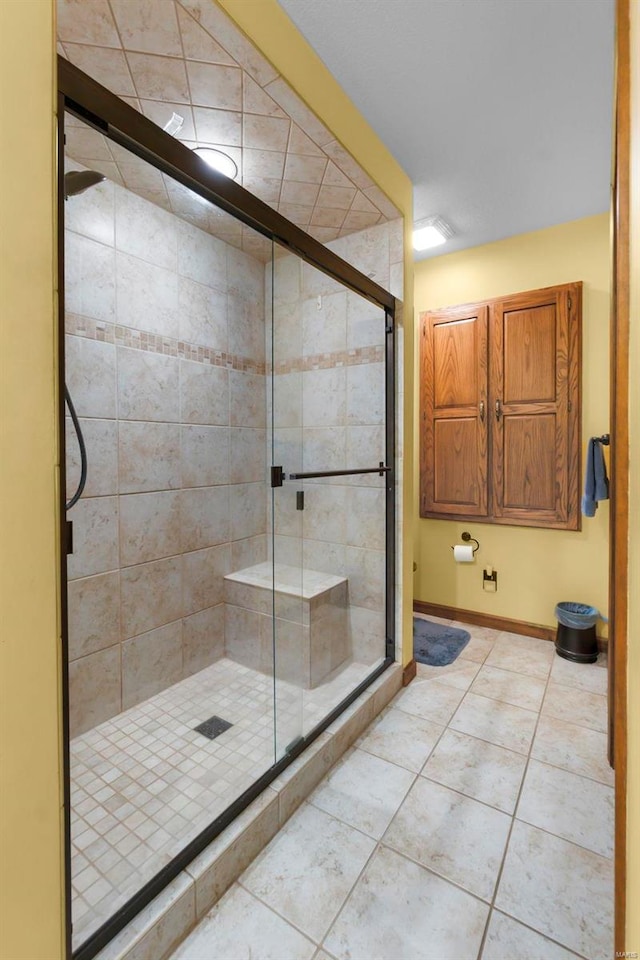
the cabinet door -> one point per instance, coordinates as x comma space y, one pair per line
534, 401
454, 412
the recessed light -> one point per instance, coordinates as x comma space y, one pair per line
431, 232
218, 160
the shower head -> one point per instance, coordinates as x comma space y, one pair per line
77, 181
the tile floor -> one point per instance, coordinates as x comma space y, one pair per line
473, 819
145, 782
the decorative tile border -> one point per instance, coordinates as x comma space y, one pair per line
106, 332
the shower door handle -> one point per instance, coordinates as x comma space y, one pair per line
380, 470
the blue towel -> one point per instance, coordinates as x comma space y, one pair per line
596, 482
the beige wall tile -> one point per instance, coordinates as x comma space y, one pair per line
218, 24
246, 328
246, 639
247, 399
91, 214
147, 296
247, 455
205, 455
204, 393
108, 67
365, 323
202, 314
287, 400
255, 100
366, 572
266, 133
245, 553
248, 510
365, 523
365, 448
93, 614
203, 573
222, 127
324, 397
148, 386
149, 456
204, 517
324, 324
160, 112
149, 526
145, 231
151, 662
324, 448
367, 634
201, 257
202, 639
151, 595
365, 394
95, 537
94, 689
262, 163
101, 442
324, 556
325, 512
89, 278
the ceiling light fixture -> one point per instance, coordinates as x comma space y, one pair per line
431, 232
218, 160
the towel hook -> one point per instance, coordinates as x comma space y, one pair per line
604, 439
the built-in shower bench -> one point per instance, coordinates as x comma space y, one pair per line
311, 621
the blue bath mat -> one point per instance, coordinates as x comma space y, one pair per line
436, 644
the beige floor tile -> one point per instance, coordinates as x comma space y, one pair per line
574, 748
576, 706
499, 723
307, 871
568, 806
517, 689
399, 909
430, 700
461, 673
427, 616
478, 769
241, 927
477, 650
559, 889
585, 676
402, 739
457, 837
364, 791
507, 940
522, 655
477, 632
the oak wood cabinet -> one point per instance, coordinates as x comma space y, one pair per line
500, 409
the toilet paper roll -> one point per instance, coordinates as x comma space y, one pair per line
462, 553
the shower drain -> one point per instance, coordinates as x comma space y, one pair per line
213, 727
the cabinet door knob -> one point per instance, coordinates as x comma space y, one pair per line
498, 410
482, 411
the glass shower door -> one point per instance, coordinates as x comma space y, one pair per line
329, 532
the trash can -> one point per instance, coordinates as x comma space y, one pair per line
576, 634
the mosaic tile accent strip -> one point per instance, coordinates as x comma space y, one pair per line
155, 343
327, 361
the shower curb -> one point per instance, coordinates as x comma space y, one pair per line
159, 928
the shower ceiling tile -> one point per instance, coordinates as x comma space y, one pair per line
197, 43
255, 100
223, 30
108, 67
265, 133
87, 21
218, 126
188, 57
305, 169
159, 78
213, 85
147, 26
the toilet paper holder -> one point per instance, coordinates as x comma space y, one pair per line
467, 537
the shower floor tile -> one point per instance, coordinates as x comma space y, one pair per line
145, 783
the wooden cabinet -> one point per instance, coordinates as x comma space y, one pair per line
500, 409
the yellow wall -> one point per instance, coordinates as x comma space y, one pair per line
536, 567
31, 926
633, 700
267, 25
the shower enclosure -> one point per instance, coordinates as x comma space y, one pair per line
228, 588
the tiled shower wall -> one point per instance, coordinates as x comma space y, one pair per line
329, 415
165, 360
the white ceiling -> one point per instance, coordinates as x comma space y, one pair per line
500, 111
